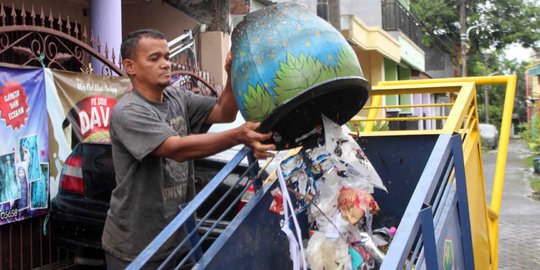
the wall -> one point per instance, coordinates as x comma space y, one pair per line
155, 14
136, 14
391, 74
372, 65
76, 10
373, 68
404, 73
215, 46
438, 64
368, 11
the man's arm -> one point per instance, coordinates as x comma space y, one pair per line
203, 145
225, 109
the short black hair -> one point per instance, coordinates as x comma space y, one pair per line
129, 45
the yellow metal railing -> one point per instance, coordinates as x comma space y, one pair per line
462, 118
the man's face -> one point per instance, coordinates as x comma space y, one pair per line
151, 66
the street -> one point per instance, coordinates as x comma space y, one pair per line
519, 243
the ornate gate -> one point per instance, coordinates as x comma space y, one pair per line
34, 38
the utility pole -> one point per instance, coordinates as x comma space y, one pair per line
322, 9
486, 91
463, 38
334, 13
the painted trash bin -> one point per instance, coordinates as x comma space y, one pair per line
289, 67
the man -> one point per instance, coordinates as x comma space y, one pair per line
154, 138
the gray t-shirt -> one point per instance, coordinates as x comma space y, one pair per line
149, 189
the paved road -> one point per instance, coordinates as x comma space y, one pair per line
519, 237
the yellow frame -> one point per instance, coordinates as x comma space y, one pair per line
462, 119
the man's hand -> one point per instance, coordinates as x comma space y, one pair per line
248, 135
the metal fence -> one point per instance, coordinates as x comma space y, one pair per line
30, 36
28, 244
395, 17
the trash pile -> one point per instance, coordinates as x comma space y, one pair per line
333, 183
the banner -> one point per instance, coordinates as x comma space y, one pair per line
79, 107
24, 151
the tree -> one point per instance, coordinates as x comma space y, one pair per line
495, 63
499, 22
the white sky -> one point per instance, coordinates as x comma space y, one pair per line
519, 53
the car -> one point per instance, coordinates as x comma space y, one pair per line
489, 135
78, 212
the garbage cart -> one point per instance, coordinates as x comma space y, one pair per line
436, 193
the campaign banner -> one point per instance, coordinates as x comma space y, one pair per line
79, 107
24, 151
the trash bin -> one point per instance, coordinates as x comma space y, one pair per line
536, 164
255, 240
289, 67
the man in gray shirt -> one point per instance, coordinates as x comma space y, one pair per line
156, 132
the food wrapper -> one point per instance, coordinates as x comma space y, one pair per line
354, 203
292, 164
277, 203
318, 162
303, 186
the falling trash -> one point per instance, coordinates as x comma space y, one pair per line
333, 182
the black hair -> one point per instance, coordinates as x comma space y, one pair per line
131, 41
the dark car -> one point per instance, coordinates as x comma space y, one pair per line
79, 210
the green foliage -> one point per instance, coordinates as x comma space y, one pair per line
535, 185
297, 74
497, 93
437, 19
535, 181
520, 99
500, 23
532, 135
258, 103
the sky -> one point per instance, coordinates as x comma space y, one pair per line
517, 52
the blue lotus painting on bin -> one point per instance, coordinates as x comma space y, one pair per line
282, 51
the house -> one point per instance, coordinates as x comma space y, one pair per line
386, 38
532, 81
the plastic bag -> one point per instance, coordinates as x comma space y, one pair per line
345, 149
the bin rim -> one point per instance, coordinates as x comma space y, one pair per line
351, 90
